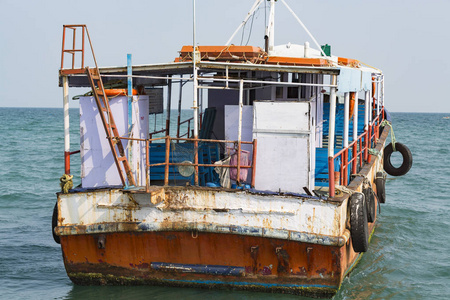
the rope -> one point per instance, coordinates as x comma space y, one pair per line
373, 151
344, 189
384, 123
66, 183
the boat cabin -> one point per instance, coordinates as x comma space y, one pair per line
268, 118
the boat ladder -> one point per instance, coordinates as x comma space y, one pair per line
101, 99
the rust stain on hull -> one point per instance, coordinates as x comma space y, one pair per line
127, 258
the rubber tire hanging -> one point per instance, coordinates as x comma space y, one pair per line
407, 159
380, 182
359, 228
55, 223
370, 204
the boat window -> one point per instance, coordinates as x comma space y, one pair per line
288, 92
292, 92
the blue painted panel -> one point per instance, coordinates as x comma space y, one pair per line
201, 269
353, 80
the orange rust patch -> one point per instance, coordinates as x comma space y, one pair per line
348, 62
296, 262
222, 53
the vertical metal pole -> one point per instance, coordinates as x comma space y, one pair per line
130, 108
195, 127
346, 119
241, 104
366, 110
166, 167
169, 102
355, 115
344, 162
382, 96
378, 94
63, 45
366, 124
383, 91
371, 119
147, 168
355, 132
255, 151
226, 75
271, 25
179, 107
331, 135
73, 47
195, 100
82, 47
66, 126
372, 105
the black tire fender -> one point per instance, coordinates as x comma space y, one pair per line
55, 223
370, 203
380, 183
407, 159
359, 229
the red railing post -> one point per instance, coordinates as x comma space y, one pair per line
82, 48
63, 44
355, 156
67, 162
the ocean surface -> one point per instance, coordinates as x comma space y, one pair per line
408, 257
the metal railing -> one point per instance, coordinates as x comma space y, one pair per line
187, 134
196, 165
360, 155
74, 50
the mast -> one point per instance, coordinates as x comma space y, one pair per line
271, 27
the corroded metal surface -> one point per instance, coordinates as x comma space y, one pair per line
203, 237
303, 219
203, 259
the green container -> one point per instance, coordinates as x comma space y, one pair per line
326, 49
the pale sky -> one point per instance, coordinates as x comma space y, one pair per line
397, 37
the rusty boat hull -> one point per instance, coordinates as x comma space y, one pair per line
207, 260
194, 237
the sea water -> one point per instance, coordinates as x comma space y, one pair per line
408, 257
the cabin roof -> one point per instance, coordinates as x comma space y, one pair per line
183, 68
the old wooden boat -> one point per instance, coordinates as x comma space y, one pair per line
270, 182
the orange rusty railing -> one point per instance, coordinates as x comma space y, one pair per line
196, 165
359, 148
74, 50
